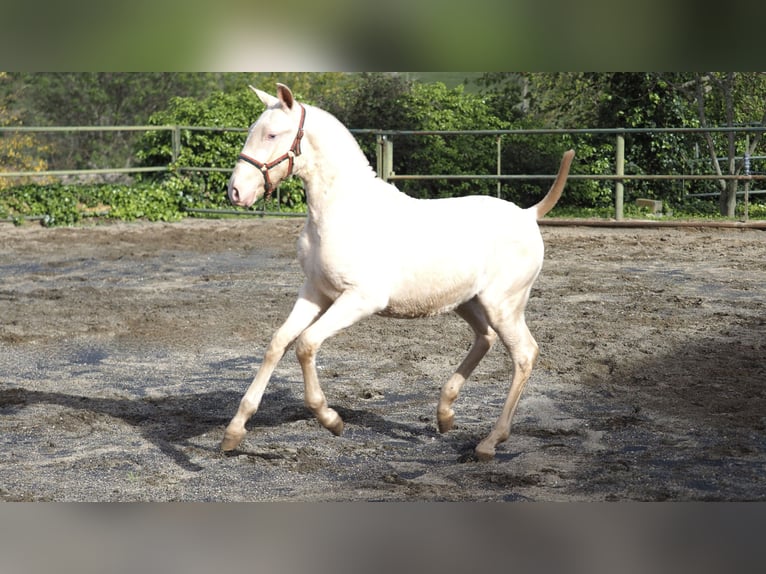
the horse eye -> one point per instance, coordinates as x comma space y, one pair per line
271, 137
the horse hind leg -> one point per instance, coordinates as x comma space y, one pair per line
524, 350
485, 336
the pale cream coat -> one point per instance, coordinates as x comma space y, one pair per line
367, 248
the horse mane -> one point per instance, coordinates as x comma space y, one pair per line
337, 144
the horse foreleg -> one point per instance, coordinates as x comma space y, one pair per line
344, 312
473, 314
305, 311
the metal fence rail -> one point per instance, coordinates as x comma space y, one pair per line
385, 154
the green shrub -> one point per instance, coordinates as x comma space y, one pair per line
207, 149
56, 204
59, 204
756, 209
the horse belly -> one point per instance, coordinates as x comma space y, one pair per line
429, 295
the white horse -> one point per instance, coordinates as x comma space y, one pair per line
367, 248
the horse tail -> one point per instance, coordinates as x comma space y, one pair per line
554, 193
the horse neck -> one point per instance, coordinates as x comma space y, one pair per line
335, 157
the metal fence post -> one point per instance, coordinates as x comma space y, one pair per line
619, 188
388, 157
176, 143
379, 155
499, 166
747, 173
385, 157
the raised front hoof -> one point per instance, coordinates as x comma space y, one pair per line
231, 440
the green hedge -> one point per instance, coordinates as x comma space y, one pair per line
168, 200
59, 204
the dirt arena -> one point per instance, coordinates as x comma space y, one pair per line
124, 351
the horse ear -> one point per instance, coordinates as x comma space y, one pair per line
285, 96
267, 99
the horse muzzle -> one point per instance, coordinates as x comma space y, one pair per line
238, 196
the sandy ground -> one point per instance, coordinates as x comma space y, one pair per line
124, 350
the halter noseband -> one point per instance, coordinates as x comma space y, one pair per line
293, 152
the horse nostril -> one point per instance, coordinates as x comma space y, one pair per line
234, 194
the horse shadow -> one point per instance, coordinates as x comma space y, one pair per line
170, 423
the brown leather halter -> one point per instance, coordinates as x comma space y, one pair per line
293, 152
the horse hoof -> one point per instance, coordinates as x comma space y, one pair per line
445, 423
231, 440
485, 453
337, 428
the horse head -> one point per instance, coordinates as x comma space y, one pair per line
273, 142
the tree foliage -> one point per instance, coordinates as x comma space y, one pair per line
386, 101
434, 107
19, 151
99, 99
545, 101
729, 99
649, 100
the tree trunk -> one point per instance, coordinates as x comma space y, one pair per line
727, 200
727, 203
700, 81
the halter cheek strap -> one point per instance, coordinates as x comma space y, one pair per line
293, 152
